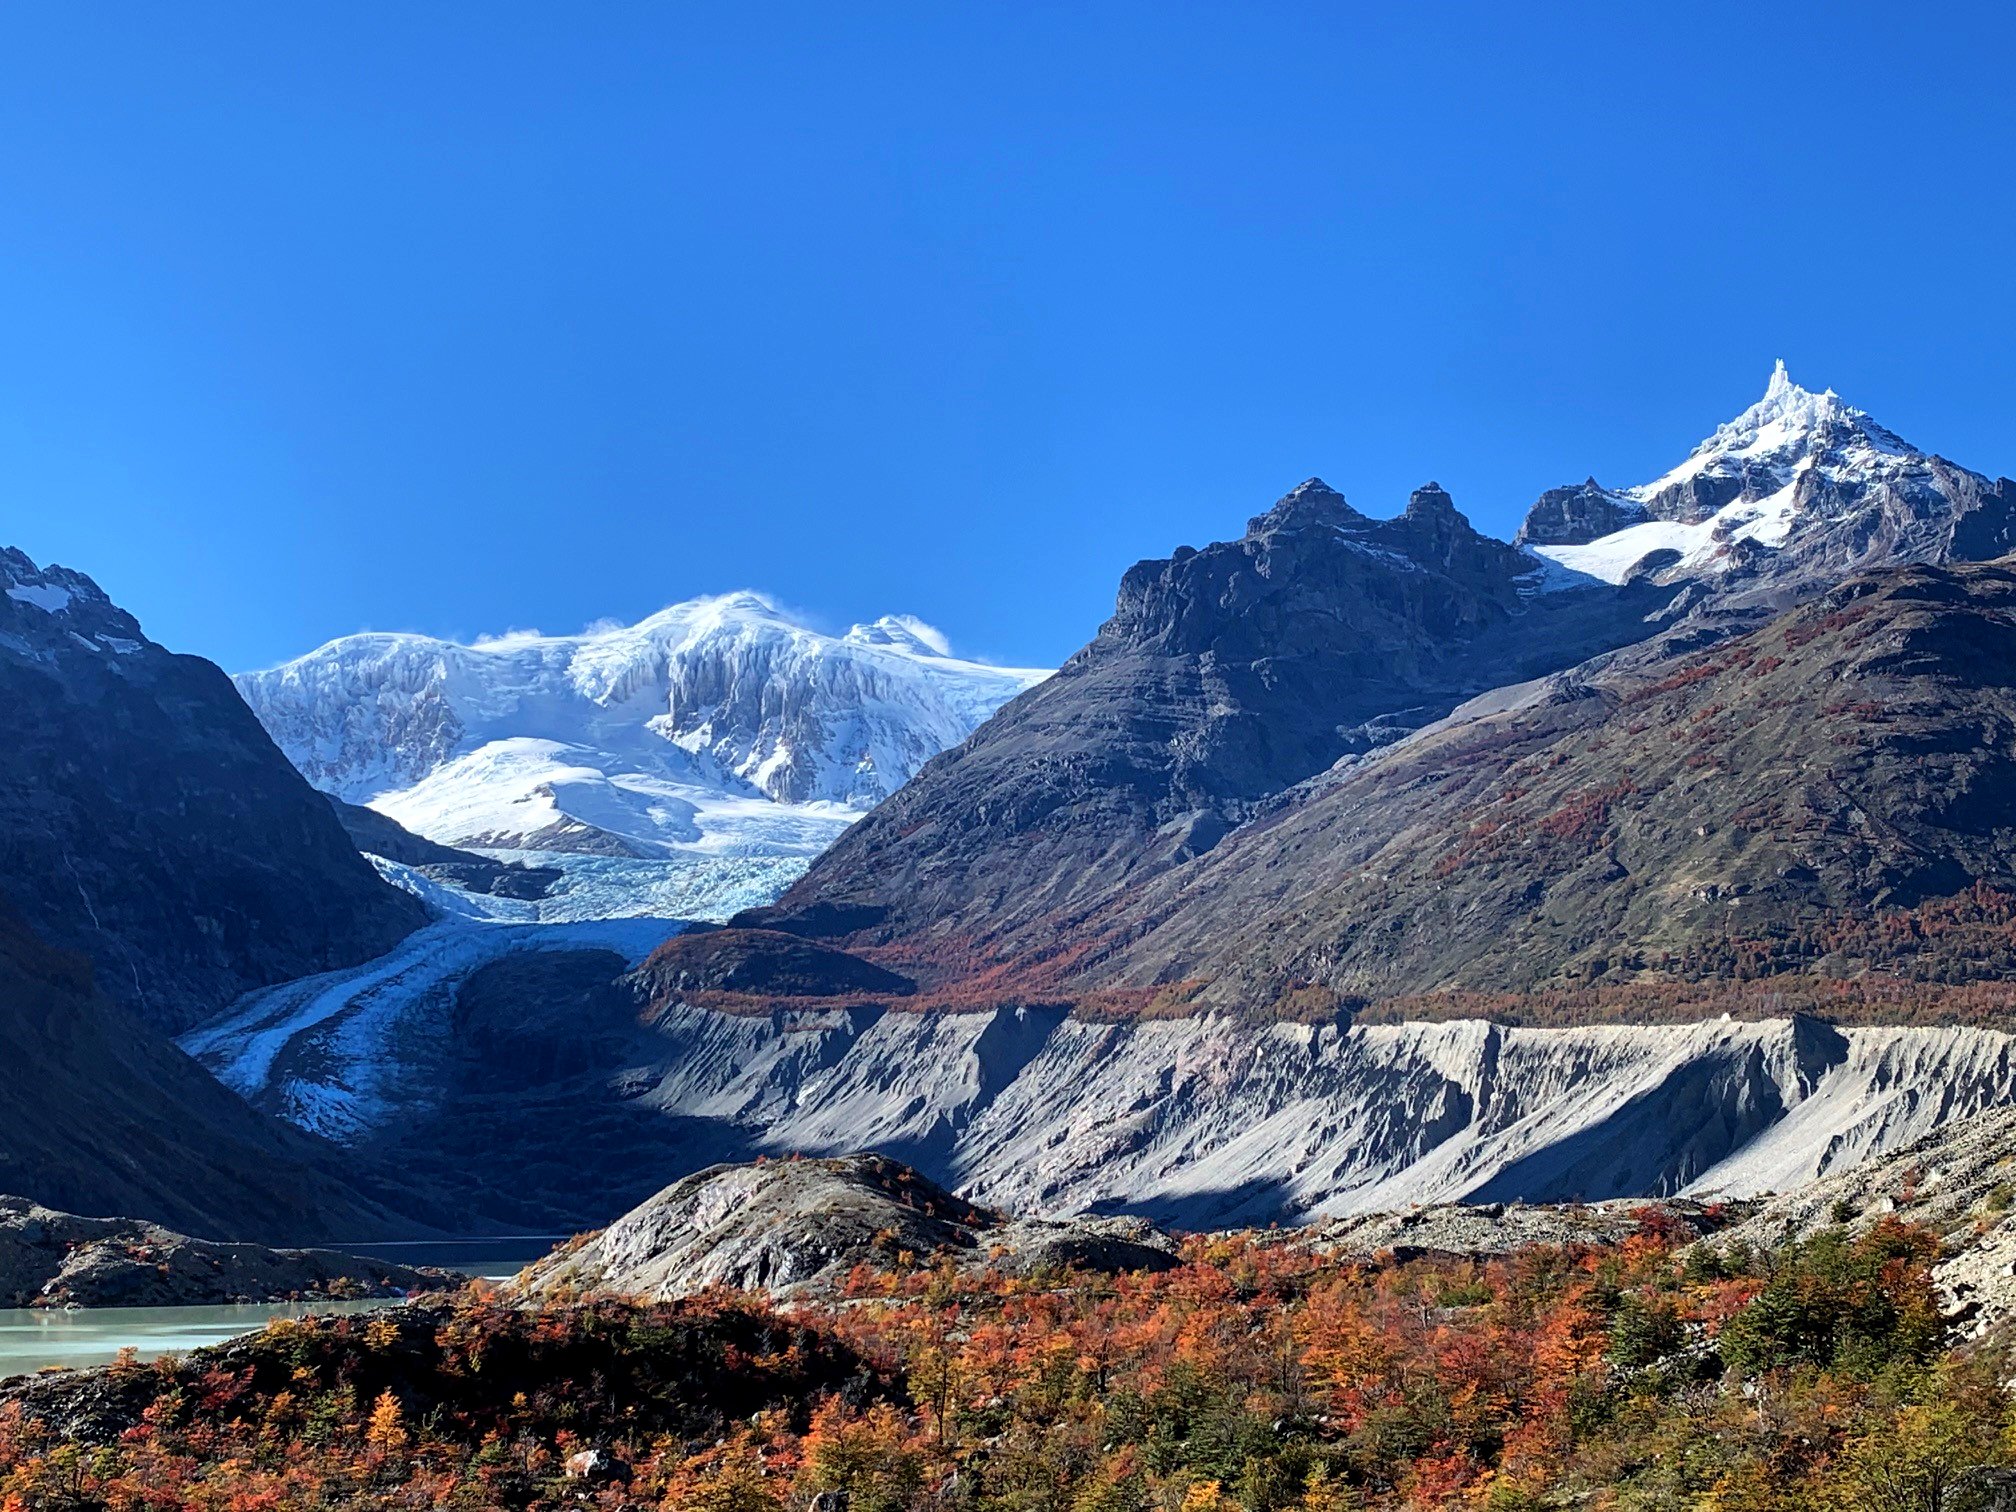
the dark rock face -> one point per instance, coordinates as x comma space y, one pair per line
147, 820
1754, 801
762, 962
1572, 516
53, 1259
1225, 676
100, 1114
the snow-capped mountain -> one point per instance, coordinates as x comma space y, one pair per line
1799, 483
717, 726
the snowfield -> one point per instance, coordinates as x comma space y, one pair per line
717, 727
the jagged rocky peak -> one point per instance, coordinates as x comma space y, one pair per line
1314, 557
53, 606
1579, 512
1310, 502
1762, 450
1435, 533
1801, 488
1431, 501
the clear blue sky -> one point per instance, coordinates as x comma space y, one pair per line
456, 317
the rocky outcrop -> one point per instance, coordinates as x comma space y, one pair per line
377, 834
1492, 1229
1569, 516
147, 821
705, 963
53, 1259
792, 1225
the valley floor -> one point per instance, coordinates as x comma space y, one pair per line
1260, 1374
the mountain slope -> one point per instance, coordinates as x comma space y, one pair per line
1036, 857
147, 821
716, 726
100, 1115
1224, 676
1831, 795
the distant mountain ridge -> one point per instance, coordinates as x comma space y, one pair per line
1224, 676
1150, 821
719, 725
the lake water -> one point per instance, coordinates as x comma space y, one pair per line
33, 1338
489, 1259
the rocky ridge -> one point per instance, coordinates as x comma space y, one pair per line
1224, 676
793, 1225
54, 1259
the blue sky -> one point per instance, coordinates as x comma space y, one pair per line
458, 317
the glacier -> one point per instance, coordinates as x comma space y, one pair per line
713, 733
